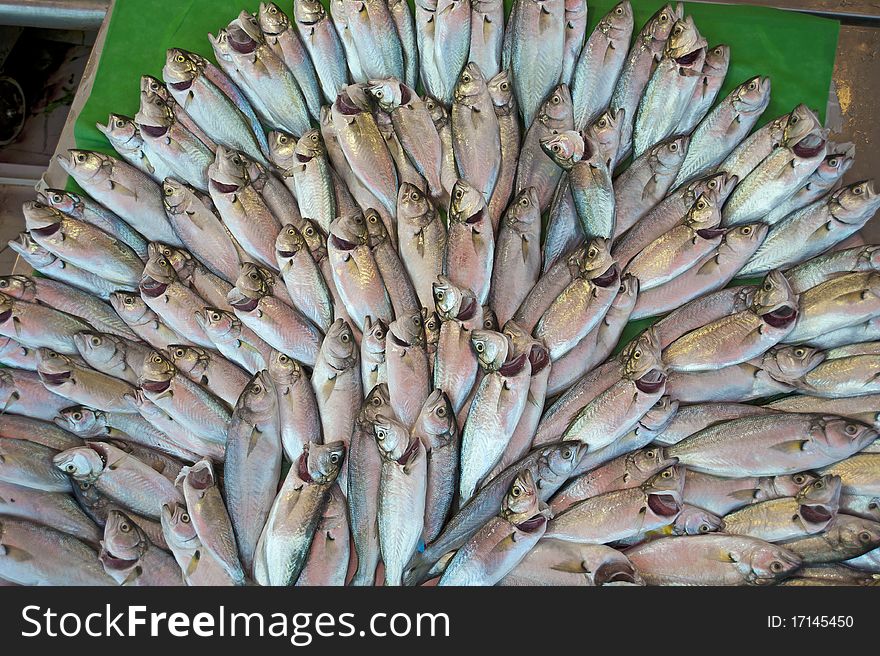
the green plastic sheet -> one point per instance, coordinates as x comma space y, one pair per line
795, 50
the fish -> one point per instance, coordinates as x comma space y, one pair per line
23, 393
486, 35
455, 363
321, 41
287, 536
115, 356
470, 245
31, 465
81, 384
451, 45
234, 340
394, 275
327, 562
299, 419
409, 374
725, 495
52, 509
845, 537
712, 77
553, 562
404, 21
856, 474
39, 326
303, 278
505, 105
422, 241
822, 307
131, 559
575, 33
198, 566
600, 64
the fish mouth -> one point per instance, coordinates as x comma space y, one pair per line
817, 514
5, 316
223, 188
663, 505
246, 305
153, 130
539, 357
397, 341
116, 563
156, 386
302, 468
153, 288
342, 244
781, 318
243, 48
652, 382
45, 231
200, 479
711, 233
805, 150
303, 159
408, 454
346, 105
181, 86
688, 59
614, 573
515, 366
532, 525
286, 253
476, 217
606, 279
468, 311
55, 379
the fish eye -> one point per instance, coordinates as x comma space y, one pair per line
712, 184
664, 17
851, 429
376, 401
746, 230
334, 458
603, 122
168, 190
864, 537
439, 295
794, 119
593, 252
253, 276
273, 9
465, 77
819, 484
84, 486
673, 146
180, 59
505, 86
666, 474
556, 99
872, 505
124, 527
256, 389
184, 518
650, 454
57, 198
120, 123
379, 93
833, 162
524, 201
80, 157
70, 468
858, 190
381, 434
314, 137
556, 148
637, 354
517, 491
215, 316
345, 338
282, 139
701, 204
379, 334
767, 286
441, 411
618, 11
704, 528
753, 85
128, 300
677, 31
798, 478
373, 218
96, 341
718, 51
309, 231
479, 347
799, 352
567, 453
776, 566
77, 415
157, 359
458, 194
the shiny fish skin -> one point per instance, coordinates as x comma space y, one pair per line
422, 240
234, 340
501, 91
487, 34
327, 562
207, 368
409, 374
52, 509
822, 268
39, 326
303, 278
837, 303
575, 33
537, 40
142, 320
82, 384
451, 40
23, 393
376, 40
437, 429
114, 356
553, 562
725, 495
394, 275
17, 356
37, 431
712, 77
403, 19
600, 64
691, 419
845, 537
199, 567
31, 465
128, 555
857, 474
755, 148
470, 245
322, 42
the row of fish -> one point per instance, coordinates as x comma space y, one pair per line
346, 308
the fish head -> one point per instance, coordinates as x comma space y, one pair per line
840, 434
565, 148
352, 101
158, 274
436, 421
837, 162
53, 368
97, 346
467, 206
664, 490
179, 259
696, 521
718, 185
652, 460
315, 239
802, 122
788, 485
765, 562
520, 339
852, 533
490, 321
272, 20
557, 107
438, 112
596, 264
669, 154
175, 196
198, 477
788, 363
470, 86
389, 93
491, 348
406, 331
642, 362
154, 112
41, 220
188, 359
432, 324
413, 206
86, 165
717, 60
154, 85
626, 294
684, 41
254, 281
18, 287
521, 500
377, 402
558, 461
308, 12
704, 214
775, 301
82, 463
258, 399
746, 238
123, 539
339, 347
501, 92
820, 499
282, 150
63, 201
228, 172
290, 242
177, 526
868, 258
392, 437
156, 373
245, 35
122, 131
374, 336
604, 132
181, 68
660, 25
852, 203
377, 233
752, 96
323, 461
524, 210
82, 421
284, 370
129, 306
617, 21
453, 302
660, 414
309, 146
348, 232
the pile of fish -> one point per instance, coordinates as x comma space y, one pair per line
385, 349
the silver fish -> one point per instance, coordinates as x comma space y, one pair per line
711, 78
322, 42
470, 247
82, 384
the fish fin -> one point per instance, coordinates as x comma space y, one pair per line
571, 568
133, 576
252, 442
744, 495
193, 563
791, 446
15, 553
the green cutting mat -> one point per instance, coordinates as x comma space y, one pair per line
795, 50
